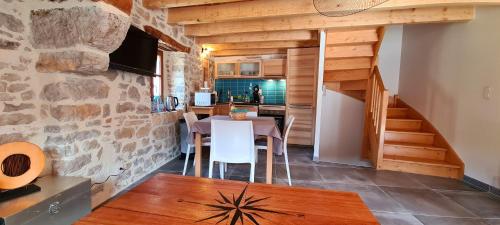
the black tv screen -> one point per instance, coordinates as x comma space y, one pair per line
137, 54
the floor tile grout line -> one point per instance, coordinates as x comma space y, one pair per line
446, 197
451, 217
392, 197
416, 180
450, 199
320, 175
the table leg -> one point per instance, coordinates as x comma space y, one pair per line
197, 156
269, 169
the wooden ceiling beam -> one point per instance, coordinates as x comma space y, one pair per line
260, 45
163, 4
123, 5
313, 22
296, 35
169, 41
245, 52
278, 8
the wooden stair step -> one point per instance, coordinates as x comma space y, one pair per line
334, 52
410, 137
348, 63
346, 75
420, 161
335, 86
360, 95
343, 37
439, 168
415, 150
356, 85
397, 113
404, 124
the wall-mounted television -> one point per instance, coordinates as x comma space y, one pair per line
137, 54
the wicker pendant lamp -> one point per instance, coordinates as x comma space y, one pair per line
338, 8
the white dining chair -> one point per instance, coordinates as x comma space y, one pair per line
191, 118
232, 142
263, 146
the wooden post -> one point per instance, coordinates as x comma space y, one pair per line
197, 156
269, 168
365, 151
381, 132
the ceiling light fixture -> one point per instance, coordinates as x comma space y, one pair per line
339, 8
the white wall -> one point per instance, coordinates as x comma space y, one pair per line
390, 57
342, 122
444, 69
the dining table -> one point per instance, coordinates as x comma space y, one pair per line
262, 126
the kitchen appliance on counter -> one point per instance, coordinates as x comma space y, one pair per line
171, 103
204, 99
157, 104
276, 111
256, 94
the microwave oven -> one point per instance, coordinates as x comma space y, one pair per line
204, 99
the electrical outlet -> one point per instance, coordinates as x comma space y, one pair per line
487, 92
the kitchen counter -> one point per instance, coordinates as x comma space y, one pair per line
202, 110
223, 108
249, 103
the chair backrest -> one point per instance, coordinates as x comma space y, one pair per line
252, 114
288, 127
190, 118
232, 141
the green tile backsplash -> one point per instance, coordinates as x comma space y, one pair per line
274, 91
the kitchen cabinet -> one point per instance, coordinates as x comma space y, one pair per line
238, 69
302, 73
250, 69
202, 110
222, 109
302, 131
226, 69
302, 76
274, 68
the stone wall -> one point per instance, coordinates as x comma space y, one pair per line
183, 72
174, 81
56, 91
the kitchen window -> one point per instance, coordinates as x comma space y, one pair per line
157, 81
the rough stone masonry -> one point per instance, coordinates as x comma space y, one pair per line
56, 90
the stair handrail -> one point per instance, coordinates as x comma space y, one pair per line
377, 102
376, 49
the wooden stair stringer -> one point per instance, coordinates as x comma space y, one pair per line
415, 151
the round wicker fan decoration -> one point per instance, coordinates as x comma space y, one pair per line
339, 8
20, 164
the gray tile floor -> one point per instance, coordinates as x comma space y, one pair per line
394, 198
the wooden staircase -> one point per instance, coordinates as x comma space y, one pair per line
411, 144
349, 59
396, 137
